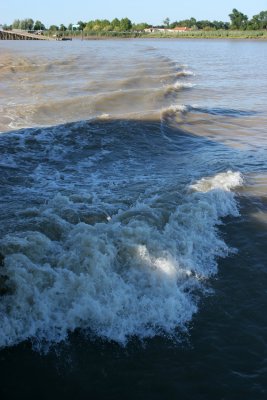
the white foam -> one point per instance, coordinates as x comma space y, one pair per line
183, 85
174, 108
104, 116
223, 181
177, 86
173, 113
185, 73
133, 275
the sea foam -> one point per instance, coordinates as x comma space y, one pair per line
135, 274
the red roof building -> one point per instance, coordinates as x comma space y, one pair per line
181, 29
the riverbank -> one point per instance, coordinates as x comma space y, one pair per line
198, 34
219, 34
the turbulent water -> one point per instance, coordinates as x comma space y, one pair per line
129, 170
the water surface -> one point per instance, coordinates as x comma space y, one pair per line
133, 231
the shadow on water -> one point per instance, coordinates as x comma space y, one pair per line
225, 354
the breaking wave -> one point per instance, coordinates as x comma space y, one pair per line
134, 273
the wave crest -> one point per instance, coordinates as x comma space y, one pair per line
134, 274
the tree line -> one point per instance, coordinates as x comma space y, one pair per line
98, 25
238, 21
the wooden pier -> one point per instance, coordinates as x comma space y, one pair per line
11, 35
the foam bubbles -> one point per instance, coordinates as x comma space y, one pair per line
224, 181
174, 109
183, 85
134, 274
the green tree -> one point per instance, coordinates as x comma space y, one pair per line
205, 24
81, 24
16, 24
62, 28
166, 22
141, 26
105, 25
53, 28
39, 26
115, 23
125, 24
189, 23
221, 25
238, 19
89, 26
96, 25
259, 21
27, 24
193, 22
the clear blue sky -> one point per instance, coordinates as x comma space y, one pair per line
151, 11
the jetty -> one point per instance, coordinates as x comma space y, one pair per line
22, 35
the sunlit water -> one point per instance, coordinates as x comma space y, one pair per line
134, 214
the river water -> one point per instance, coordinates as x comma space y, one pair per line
133, 219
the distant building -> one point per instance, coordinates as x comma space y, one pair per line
174, 30
181, 29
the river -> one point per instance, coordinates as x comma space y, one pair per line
133, 224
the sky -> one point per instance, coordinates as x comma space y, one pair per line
151, 11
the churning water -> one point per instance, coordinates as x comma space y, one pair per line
133, 218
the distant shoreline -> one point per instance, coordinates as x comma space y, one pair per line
197, 34
219, 34
170, 38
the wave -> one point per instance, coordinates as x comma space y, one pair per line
178, 86
16, 64
115, 103
222, 111
73, 88
173, 109
217, 111
183, 113
173, 114
133, 273
184, 73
